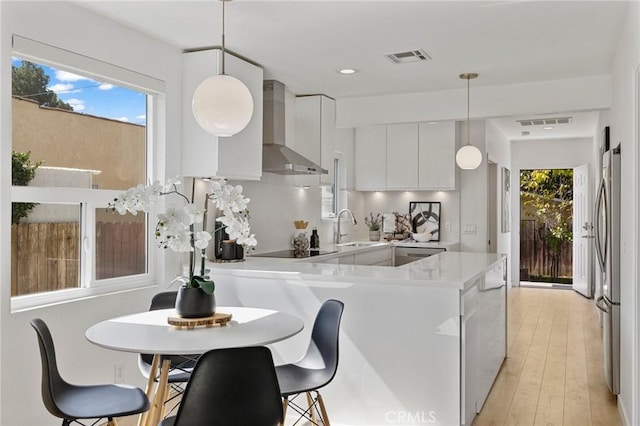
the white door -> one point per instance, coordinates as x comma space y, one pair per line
582, 232
492, 207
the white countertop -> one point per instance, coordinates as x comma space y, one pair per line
448, 269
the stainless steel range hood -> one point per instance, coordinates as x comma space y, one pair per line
276, 157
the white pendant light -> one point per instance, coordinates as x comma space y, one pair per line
222, 105
468, 157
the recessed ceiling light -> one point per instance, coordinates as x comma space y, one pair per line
548, 127
433, 122
347, 71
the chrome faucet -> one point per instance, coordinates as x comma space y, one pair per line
339, 235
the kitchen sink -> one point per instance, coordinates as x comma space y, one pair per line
360, 244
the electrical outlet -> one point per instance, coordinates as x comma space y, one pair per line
447, 226
118, 373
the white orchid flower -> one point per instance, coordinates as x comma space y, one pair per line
175, 227
202, 239
171, 184
194, 213
180, 243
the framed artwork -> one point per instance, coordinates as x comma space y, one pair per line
425, 218
506, 200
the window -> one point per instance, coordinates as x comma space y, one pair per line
79, 137
330, 194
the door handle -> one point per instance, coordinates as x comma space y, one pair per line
587, 236
601, 255
599, 306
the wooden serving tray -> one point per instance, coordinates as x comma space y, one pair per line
219, 318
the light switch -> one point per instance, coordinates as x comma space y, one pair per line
447, 226
469, 228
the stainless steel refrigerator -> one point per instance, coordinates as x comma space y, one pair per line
607, 241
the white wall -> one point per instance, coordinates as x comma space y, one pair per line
473, 191
499, 151
73, 28
624, 129
398, 201
276, 202
587, 93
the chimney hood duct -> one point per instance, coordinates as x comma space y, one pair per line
276, 157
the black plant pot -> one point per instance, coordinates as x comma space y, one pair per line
192, 302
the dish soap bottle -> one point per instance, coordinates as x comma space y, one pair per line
315, 238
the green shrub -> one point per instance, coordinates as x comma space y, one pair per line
23, 170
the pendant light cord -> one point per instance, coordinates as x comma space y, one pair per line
223, 72
468, 119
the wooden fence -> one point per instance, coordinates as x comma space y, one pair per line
45, 256
534, 256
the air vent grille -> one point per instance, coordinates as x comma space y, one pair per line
545, 121
409, 56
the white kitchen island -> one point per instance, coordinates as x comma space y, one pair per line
420, 344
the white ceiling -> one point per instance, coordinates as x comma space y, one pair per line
304, 43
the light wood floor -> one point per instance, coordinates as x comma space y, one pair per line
553, 374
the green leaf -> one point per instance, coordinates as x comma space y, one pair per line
206, 285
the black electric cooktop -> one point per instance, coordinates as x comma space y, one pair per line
292, 254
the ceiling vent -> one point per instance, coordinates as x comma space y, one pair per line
545, 121
409, 56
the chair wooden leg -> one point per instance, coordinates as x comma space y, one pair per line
142, 419
165, 397
323, 410
312, 410
155, 411
112, 422
285, 405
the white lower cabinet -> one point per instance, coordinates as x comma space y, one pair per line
425, 366
483, 339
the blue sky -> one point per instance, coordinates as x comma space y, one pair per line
93, 97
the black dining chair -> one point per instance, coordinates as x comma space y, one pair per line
231, 387
75, 402
181, 365
316, 368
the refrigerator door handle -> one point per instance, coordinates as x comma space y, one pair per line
600, 306
601, 254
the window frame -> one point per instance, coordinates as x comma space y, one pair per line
90, 199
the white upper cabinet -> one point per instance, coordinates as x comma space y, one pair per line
436, 156
205, 155
371, 158
402, 156
315, 135
412, 156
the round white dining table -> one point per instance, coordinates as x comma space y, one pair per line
149, 332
